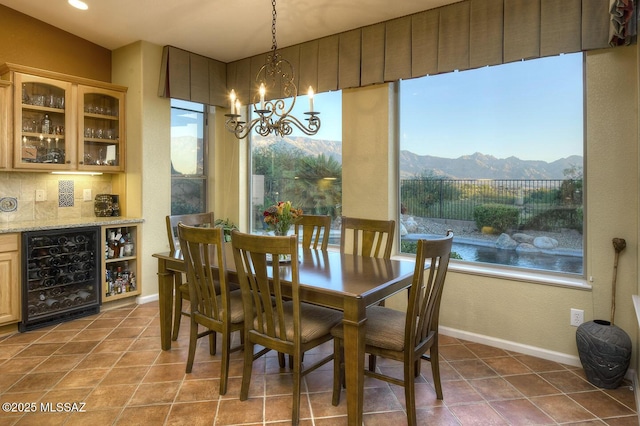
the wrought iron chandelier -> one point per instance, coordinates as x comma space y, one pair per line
273, 115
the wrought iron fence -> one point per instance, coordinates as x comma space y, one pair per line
457, 198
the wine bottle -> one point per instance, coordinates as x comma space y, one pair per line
52, 303
46, 124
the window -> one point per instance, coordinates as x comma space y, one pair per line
496, 155
306, 170
188, 158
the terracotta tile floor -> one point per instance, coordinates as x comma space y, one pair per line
112, 364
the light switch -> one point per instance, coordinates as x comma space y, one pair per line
86, 195
41, 195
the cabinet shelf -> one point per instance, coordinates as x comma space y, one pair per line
101, 116
45, 136
31, 107
119, 259
102, 140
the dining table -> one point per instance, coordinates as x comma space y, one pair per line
347, 282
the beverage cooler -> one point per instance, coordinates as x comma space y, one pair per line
60, 276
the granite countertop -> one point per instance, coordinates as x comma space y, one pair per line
39, 225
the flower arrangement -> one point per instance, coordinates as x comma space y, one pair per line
281, 216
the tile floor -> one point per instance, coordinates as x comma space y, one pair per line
111, 365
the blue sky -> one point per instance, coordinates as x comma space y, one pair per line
532, 110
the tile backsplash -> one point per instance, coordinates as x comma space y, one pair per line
63, 195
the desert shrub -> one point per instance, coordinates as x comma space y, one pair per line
555, 219
500, 217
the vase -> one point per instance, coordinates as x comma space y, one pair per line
281, 232
605, 352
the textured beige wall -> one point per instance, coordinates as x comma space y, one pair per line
368, 159
148, 177
27, 41
228, 172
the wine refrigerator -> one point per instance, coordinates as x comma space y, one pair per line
60, 276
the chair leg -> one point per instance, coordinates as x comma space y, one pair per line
193, 342
337, 371
224, 364
372, 362
246, 370
213, 342
435, 370
291, 361
297, 378
177, 306
410, 394
281, 361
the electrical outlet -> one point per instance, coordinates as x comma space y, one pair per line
577, 317
41, 195
86, 194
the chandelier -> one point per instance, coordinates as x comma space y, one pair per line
273, 116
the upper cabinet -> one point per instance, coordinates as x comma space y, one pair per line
65, 123
100, 129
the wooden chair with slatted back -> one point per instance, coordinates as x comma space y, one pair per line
180, 289
406, 336
212, 303
314, 230
367, 237
283, 324
370, 238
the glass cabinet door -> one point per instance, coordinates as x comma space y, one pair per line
43, 123
100, 129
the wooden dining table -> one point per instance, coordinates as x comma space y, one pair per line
346, 282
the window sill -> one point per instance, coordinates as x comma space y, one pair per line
530, 276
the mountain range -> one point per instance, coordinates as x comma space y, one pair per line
474, 166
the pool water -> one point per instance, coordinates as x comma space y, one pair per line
543, 261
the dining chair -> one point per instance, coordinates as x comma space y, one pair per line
280, 321
370, 238
180, 288
314, 230
406, 336
212, 304
367, 237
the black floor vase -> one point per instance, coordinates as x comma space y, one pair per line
605, 352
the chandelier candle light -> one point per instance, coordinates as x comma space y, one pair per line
273, 115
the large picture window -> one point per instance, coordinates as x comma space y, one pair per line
306, 170
188, 158
496, 155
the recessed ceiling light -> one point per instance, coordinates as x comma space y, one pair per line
78, 4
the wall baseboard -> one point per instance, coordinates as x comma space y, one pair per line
533, 351
562, 358
141, 300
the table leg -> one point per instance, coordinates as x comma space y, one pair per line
165, 296
354, 368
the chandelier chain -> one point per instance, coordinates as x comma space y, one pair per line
274, 43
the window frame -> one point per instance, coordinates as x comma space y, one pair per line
199, 108
496, 270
